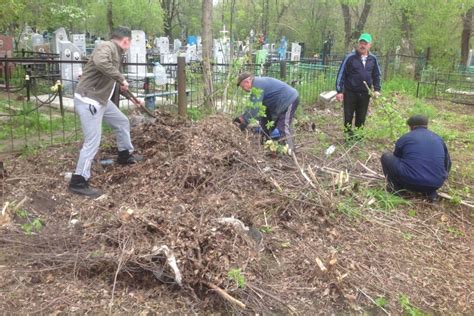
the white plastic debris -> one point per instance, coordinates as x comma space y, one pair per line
330, 150
67, 176
74, 222
171, 260
237, 223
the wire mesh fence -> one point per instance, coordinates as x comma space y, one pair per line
455, 87
35, 110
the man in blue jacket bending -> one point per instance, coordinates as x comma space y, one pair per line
420, 162
280, 101
358, 67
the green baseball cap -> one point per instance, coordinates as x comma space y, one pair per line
366, 37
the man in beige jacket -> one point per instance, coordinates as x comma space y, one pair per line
92, 103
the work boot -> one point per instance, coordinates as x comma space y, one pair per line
126, 158
79, 185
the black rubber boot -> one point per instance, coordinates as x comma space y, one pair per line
79, 185
126, 158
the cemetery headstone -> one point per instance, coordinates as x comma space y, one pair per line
97, 41
59, 35
39, 45
295, 52
176, 45
137, 53
191, 53
163, 45
80, 41
70, 72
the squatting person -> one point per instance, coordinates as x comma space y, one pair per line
420, 162
92, 103
358, 67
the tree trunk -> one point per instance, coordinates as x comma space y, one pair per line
349, 33
466, 36
346, 14
407, 27
110, 20
266, 14
170, 9
207, 52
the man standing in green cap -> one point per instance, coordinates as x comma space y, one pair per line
359, 68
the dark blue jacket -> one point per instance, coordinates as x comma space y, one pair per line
352, 73
424, 158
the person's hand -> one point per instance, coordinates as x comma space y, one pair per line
339, 97
376, 94
138, 102
240, 123
124, 86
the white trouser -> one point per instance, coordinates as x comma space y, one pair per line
91, 121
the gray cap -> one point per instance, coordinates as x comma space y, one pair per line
244, 75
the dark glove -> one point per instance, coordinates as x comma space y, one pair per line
239, 122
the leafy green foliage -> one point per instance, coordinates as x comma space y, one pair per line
408, 308
386, 201
381, 301
266, 229
276, 147
455, 231
236, 275
22, 213
32, 227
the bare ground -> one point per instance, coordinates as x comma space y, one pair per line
326, 248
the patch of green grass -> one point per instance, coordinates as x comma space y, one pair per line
349, 208
400, 85
381, 301
456, 232
27, 120
408, 308
420, 107
236, 275
386, 201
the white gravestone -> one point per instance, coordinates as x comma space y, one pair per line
80, 41
191, 53
295, 52
137, 53
168, 58
221, 52
59, 35
176, 45
70, 72
163, 45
